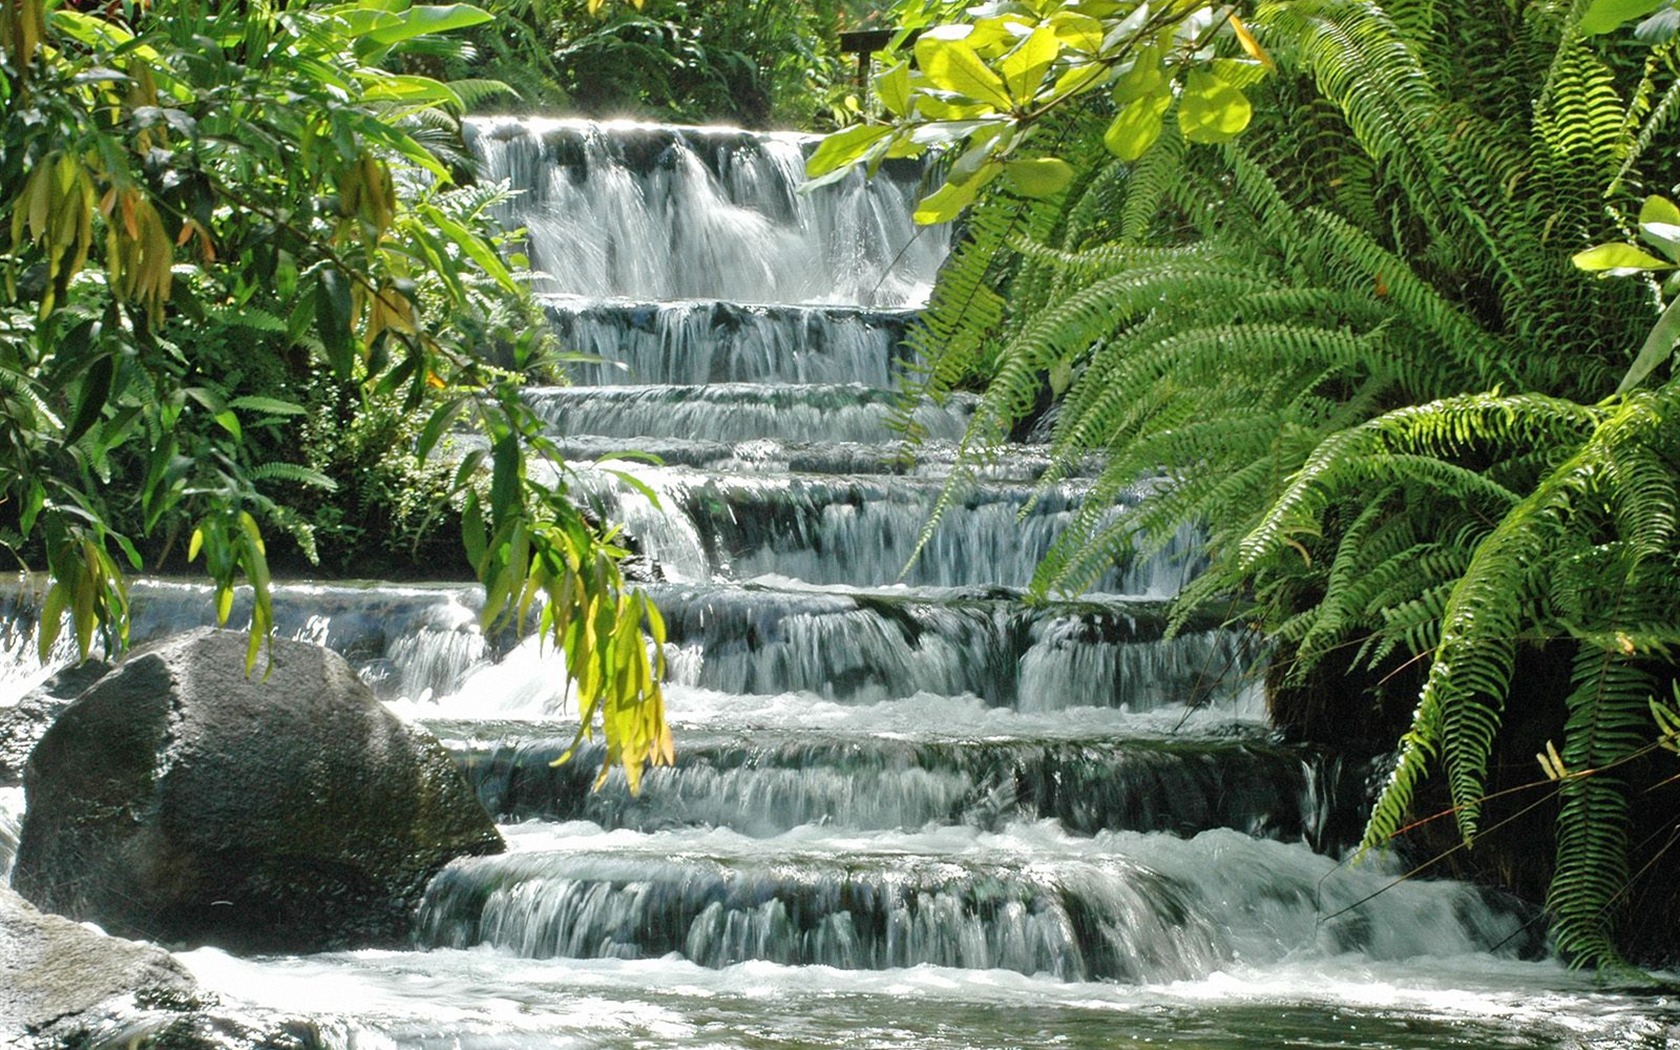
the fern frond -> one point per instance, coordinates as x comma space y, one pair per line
1609, 721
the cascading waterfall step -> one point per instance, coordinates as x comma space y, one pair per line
768, 783
422, 643
861, 530
1121, 906
869, 646
688, 342
741, 412
668, 212
933, 459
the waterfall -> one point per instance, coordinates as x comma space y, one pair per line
910, 806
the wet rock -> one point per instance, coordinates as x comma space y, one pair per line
62, 975
24, 724
182, 801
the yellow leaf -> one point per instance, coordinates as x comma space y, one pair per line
1251, 45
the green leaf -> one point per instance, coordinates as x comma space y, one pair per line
1212, 110
893, 89
52, 618
1077, 31
1038, 178
1618, 257
332, 320
952, 65
271, 406
505, 474
1145, 79
392, 87
845, 147
1075, 80
440, 420
472, 244
1659, 224
34, 498
1658, 346
1664, 236
97, 385
1023, 69
474, 537
424, 19
1659, 209
948, 201
1602, 16
1136, 127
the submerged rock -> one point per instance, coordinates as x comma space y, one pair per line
62, 975
182, 801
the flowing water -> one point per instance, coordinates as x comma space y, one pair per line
909, 809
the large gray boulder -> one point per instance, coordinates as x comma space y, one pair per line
23, 724
182, 801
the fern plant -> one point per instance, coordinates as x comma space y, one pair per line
1355, 346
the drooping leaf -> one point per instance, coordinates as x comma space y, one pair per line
97, 386
333, 313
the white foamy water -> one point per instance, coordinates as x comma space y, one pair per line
483, 999
662, 213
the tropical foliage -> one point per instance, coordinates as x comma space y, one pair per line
763, 64
223, 221
1354, 343
989, 84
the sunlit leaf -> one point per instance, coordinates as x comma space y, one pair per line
1618, 257
1077, 31
947, 202
1040, 177
1603, 16
1212, 110
1146, 79
953, 66
1136, 127
845, 147
1023, 69
893, 89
